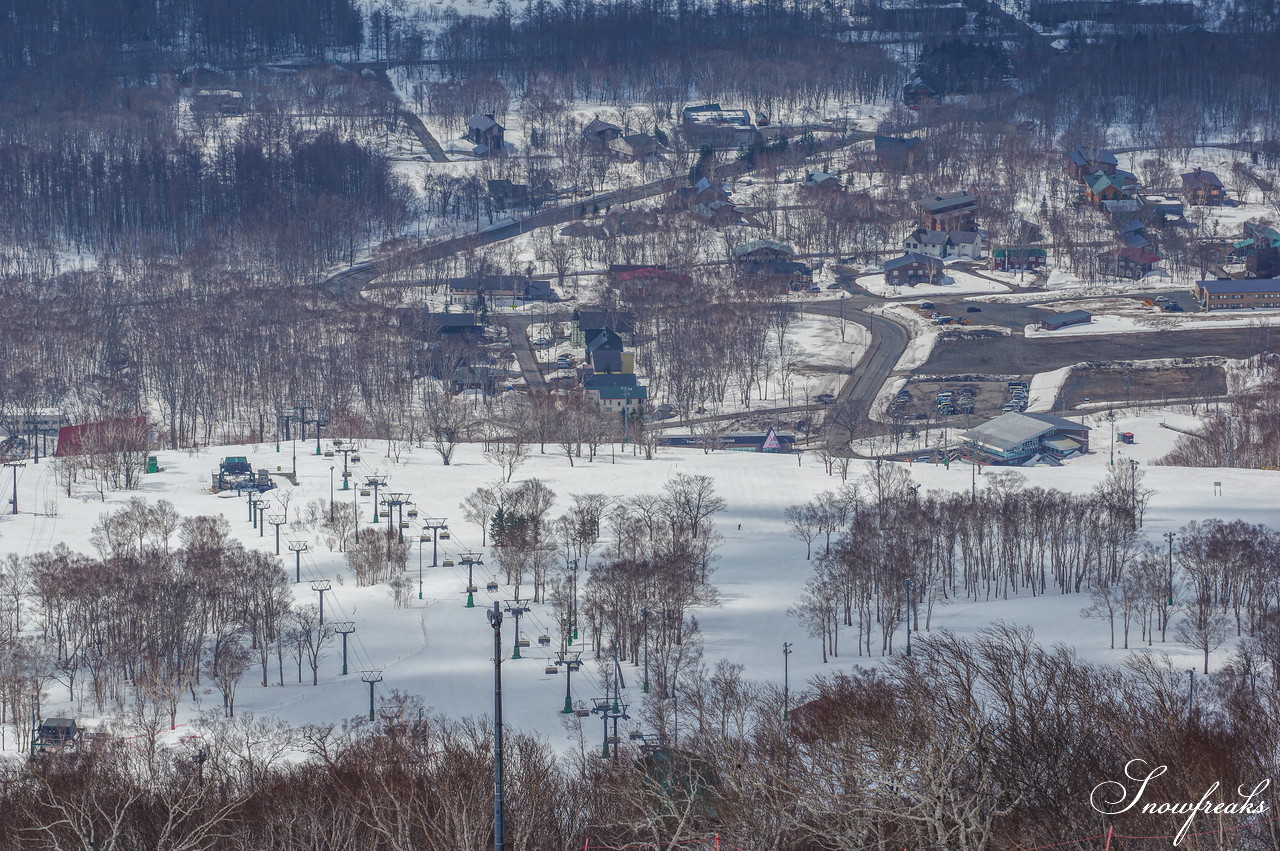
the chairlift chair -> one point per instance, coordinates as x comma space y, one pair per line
524, 642
544, 640
424, 538
471, 589
355, 458
552, 669
328, 453
492, 587
447, 562
404, 524
412, 512
615, 740
364, 491
581, 711
444, 534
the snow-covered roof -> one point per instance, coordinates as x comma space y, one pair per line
1014, 429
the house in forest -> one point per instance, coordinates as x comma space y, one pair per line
599, 133
896, 154
1012, 258
918, 92
219, 102
1083, 161
1126, 262
1100, 187
713, 125
636, 147
1203, 188
484, 132
952, 211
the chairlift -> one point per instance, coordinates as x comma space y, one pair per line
404, 524
615, 740
524, 642
383, 515
552, 669
492, 587
328, 453
636, 736
581, 711
412, 512
544, 640
444, 534
471, 589
447, 562
355, 458
424, 538
364, 491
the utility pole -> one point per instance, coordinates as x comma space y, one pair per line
516, 608
277, 520
573, 601
372, 678
1169, 536
320, 586
1133, 490
344, 628
495, 620
571, 661
376, 482
786, 681
14, 465
298, 548
339, 445
644, 616
471, 560
344, 481
907, 603
1191, 692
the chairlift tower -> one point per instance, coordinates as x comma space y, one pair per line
571, 660
516, 608
395, 502
277, 520
344, 628
471, 560
499, 814
14, 465
376, 482
320, 586
372, 678
298, 548
340, 445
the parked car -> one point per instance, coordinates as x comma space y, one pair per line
542, 341
926, 305
1161, 298
973, 309
923, 458
824, 398
1173, 307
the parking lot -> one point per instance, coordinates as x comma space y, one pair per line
971, 398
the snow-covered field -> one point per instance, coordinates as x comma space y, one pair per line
442, 650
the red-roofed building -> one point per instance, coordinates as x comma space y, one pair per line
123, 434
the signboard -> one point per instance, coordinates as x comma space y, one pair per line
771, 443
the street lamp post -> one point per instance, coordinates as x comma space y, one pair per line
573, 601
910, 585
644, 616
1169, 536
786, 681
1133, 490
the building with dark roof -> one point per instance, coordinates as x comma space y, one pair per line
911, 269
894, 154
953, 211
1082, 161
1249, 293
1203, 188
1066, 320
1126, 262
1017, 438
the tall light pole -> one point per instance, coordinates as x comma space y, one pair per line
644, 617
298, 548
344, 628
495, 620
277, 520
907, 603
571, 661
14, 465
516, 608
344, 481
786, 681
1169, 536
372, 678
320, 586
573, 601
1133, 490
